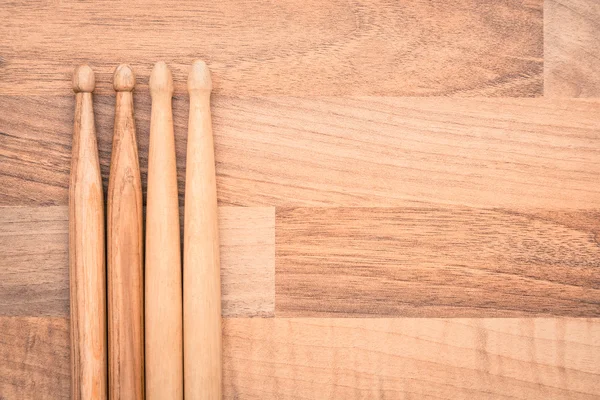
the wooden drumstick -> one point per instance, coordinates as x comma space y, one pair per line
202, 282
86, 249
164, 336
125, 257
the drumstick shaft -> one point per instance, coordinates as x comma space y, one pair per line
164, 359
86, 250
125, 257
202, 283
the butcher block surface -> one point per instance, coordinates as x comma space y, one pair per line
409, 197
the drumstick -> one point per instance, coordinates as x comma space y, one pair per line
86, 249
201, 283
125, 257
164, 362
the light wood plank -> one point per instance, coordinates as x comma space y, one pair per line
571, 48
34, 274
411, 358
247, 238
368, 151
34, 358
436, 262
352, 358
416, 47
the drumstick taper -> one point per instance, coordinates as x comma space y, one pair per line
164, 358
86, 250
201, 272
125, 257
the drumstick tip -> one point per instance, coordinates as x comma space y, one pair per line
83, 79
161, 79
199, 78
123, 79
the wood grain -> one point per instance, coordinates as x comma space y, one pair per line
436, 262
34, 273
381, 47
352, 358
247, 236
571, 48
125, 251
411, 358
34, 260
367, 151
386, 206
34, 358
87, 251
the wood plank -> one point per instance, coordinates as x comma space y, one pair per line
34, 358
352, 358
367, 151
416, 47
34, 278
247, 238
436, 262
571, 48
411, 358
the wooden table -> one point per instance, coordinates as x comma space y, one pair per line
393, 177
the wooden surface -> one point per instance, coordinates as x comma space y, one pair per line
571, 48
427, 262
38, 236
35, 358
341, 194
298, 358
411, 358
346, 151
381, 47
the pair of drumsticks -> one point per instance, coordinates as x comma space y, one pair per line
162, 308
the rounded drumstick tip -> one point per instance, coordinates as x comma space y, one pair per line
83, 79
123, 79
199, 78
161, 79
